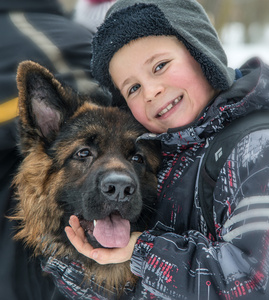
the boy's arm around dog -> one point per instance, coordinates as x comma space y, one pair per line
182, 264
234, 260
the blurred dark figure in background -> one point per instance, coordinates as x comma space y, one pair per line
32, 30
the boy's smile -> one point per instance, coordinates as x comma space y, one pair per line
161, 82
169, 107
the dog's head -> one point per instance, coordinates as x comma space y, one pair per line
82, 159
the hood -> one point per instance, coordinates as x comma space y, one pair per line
129, 20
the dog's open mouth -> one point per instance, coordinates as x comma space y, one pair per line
111, 232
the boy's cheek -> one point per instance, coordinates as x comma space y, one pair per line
139, 115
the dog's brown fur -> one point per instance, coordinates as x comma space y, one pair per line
56, 126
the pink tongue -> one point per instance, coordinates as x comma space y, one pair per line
112, 232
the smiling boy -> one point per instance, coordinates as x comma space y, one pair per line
163, 60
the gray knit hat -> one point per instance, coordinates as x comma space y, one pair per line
128, 20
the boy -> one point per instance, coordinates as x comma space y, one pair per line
164, 60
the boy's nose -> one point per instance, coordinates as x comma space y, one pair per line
152, 91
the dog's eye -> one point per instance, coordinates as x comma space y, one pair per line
138, 158
83, 153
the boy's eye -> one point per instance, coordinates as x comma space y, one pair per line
134, 89
160, 66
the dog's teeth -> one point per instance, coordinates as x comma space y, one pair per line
94, 223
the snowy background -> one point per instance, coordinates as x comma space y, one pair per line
237, 51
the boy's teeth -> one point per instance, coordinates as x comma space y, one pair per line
171, 105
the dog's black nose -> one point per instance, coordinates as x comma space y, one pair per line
118, 187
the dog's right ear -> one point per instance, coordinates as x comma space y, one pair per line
44, 104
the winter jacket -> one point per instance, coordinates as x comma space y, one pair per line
178, 258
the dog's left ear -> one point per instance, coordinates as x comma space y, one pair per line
44, 104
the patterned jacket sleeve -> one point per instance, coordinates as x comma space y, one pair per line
235, 266
69, 277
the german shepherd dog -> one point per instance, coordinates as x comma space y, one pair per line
80, 158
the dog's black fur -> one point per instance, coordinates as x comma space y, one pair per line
79, 159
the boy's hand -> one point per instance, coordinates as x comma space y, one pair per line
103, 256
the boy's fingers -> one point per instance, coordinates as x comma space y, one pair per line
76, 235
78, 240
78, 230
74, 222
70, 233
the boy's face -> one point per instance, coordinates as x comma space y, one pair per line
161, 82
